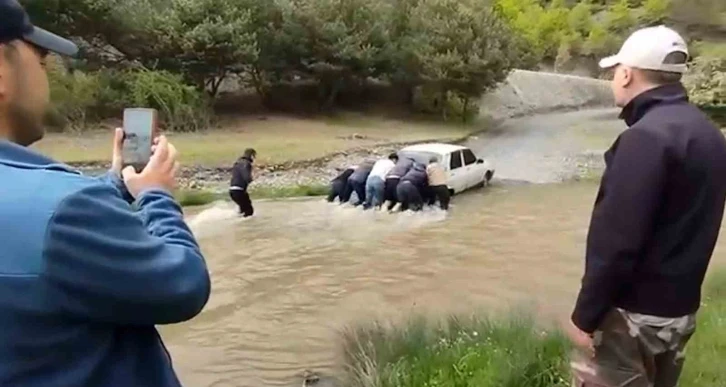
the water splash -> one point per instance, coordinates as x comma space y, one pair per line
215, 219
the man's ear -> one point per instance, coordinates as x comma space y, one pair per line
628, 74
3, 68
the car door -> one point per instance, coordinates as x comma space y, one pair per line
470, 168
457, 177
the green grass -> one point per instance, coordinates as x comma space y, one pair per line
292, 191
705, 353
202, 197
276, 139
710, 48
196, 197
515, 352
460, 352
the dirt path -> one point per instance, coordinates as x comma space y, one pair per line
538, 149
549, 148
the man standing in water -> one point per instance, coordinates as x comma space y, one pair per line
241, 179
654, 224
83, 276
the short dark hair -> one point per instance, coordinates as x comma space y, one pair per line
249, 152
393, 156
666, 77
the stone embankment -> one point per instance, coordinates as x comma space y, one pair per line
526, 93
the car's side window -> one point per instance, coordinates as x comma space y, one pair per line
469, 157
455, 160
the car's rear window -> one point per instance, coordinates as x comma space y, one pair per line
419, 156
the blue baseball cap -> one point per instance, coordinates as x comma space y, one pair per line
15, 25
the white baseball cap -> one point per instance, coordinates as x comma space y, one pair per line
647, 49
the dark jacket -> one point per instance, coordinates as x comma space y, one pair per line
657, 214
85, 277
361, 173
402, 167
417, 176
343, 176
241, 173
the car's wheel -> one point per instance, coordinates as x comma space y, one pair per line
488, 176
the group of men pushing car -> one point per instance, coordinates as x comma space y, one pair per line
392, 180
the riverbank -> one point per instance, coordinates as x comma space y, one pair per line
200, 197
480, 351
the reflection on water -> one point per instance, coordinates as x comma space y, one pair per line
286, 280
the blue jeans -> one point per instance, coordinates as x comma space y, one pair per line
374, 192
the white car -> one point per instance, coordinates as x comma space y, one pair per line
464, 170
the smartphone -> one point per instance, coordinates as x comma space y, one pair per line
140, 130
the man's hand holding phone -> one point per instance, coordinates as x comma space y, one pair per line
117, 159
159, 173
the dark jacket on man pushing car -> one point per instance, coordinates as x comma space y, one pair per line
417, 176
412, 187
402, 167
339, 186
361, 173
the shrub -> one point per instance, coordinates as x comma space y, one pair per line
73, 97
706, 84
181, 107
80, 99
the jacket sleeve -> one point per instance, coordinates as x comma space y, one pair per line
621, 223
105, 263
111, 177
248, 173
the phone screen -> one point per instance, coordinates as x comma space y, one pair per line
139, 131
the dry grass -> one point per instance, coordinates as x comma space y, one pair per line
276, 139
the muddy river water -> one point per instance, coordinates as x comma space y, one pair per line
288, 280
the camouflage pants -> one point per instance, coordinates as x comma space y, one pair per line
634, 350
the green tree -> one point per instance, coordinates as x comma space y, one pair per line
205, 40
468, 49
655, 11
619, 18
706, 82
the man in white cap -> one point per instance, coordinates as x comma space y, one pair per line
654, 224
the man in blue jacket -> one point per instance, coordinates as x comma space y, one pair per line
83, 276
